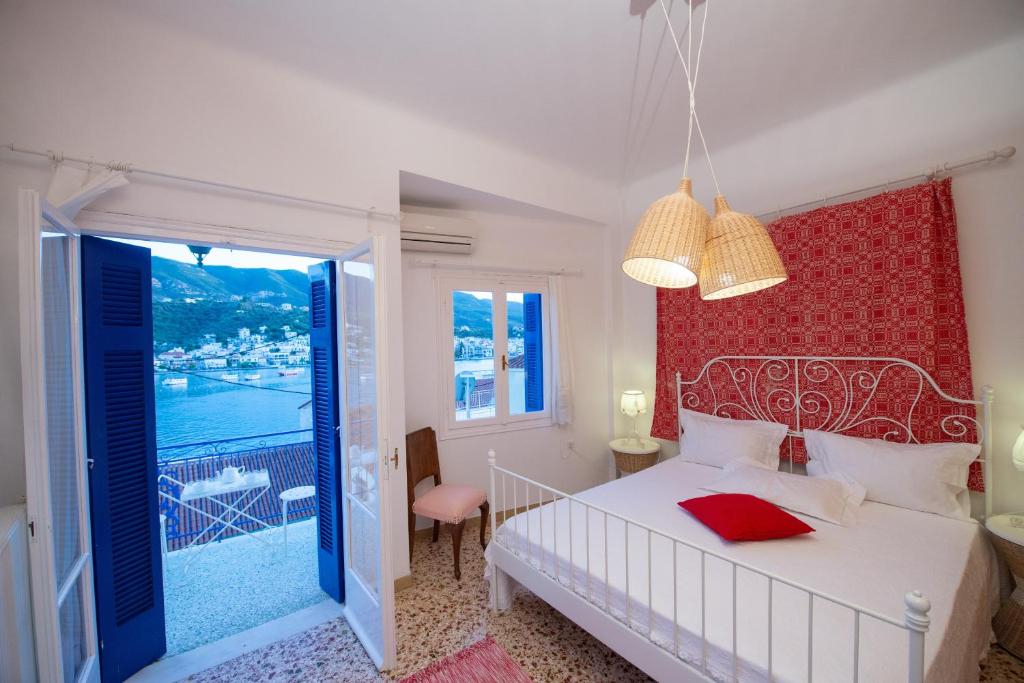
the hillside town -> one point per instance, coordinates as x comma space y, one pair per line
249, 349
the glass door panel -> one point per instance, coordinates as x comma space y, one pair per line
366, 599
57, 480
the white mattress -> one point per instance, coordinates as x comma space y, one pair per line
872, 565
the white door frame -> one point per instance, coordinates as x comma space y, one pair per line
386, 658
106, 224
47, 596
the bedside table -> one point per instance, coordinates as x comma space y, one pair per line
633, 455
1007, 535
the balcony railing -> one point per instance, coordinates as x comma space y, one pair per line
289, 465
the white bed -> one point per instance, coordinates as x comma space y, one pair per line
871, 565
858, 575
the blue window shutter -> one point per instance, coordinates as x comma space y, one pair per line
117, 321
533, 338
323, 331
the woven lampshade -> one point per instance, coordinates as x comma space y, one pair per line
667, 243
739, 256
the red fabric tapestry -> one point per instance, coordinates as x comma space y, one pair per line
875, 277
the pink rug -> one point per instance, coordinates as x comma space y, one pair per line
481, 662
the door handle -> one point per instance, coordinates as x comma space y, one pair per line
394, 459
504, 363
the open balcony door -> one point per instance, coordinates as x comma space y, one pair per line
365, 456
60, 545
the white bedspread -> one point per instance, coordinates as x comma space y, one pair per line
872, 565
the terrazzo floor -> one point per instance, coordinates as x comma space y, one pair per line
438, 616
238, 583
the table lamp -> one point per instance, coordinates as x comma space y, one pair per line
633, 403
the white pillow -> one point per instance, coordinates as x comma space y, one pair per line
745, 461
926, 477
853, 487
712, 440
825, 498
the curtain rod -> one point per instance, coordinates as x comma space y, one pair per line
443, 265
930, 174
129, 168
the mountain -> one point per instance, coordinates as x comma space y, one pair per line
176, 280
473, 316
231, 297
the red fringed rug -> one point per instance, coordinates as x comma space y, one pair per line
481, 662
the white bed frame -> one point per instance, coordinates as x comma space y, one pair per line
788, 389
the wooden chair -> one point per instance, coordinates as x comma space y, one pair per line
445, 503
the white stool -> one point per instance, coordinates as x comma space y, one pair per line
291, 495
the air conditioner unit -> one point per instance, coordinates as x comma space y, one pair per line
441, 234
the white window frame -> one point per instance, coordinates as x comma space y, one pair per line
502, 421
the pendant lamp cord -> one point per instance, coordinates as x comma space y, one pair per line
691, 83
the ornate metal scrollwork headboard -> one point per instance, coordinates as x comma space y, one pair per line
888, 398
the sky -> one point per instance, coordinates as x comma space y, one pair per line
510, 296
220, 256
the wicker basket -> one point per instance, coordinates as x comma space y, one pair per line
628, 463
634, 455
1008, 623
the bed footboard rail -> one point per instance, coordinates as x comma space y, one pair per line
523, 501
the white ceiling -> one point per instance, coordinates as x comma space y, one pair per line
588, 83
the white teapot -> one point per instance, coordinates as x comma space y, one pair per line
231, 475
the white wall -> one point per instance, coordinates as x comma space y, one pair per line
541, 453
955, 110
85, 79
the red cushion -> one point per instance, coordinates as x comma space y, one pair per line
742, 517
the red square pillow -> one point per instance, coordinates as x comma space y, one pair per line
742, 517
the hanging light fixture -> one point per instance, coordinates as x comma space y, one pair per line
667, 243
736, 253
739, 256
199, 252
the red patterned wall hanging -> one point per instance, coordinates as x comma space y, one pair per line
875, 277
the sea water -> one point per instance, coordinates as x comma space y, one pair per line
209, 409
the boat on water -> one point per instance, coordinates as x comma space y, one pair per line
254, 377
229, 377
175, 382
289, 372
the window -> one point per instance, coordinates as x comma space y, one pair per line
494, 362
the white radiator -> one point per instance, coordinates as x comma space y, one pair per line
17, 652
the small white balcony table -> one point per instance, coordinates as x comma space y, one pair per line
247, 488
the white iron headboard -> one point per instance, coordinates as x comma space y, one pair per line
835, 394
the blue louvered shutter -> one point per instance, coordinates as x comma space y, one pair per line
117, 320
323, 330
533, 339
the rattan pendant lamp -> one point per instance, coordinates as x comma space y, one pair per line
668, 243
737, 255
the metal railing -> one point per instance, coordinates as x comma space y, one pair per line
236, 444
288, 464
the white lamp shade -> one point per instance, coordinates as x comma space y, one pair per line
634, 402
1018, 451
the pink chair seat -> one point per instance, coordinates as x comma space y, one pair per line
449, 503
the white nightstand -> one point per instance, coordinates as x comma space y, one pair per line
633, 455
1007, 534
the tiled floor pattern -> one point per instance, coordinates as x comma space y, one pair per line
439, 616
